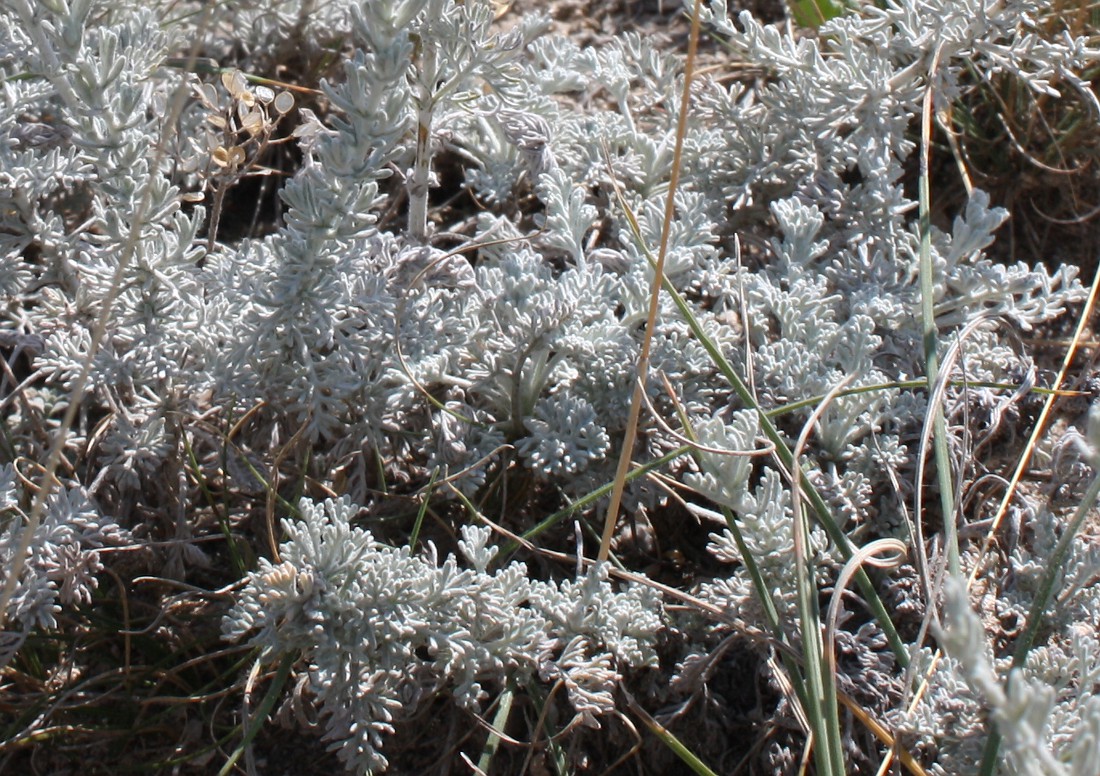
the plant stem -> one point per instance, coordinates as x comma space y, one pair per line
422, 166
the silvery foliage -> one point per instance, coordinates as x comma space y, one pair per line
87, 188
62, 558
381, 631
87, 208
1047, 713
819, 149
342, 326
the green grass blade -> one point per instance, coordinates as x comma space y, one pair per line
812, 401
591, 498
811, 14
222, 514
423, 509
500, 720
931, 333
689, 758
251, 728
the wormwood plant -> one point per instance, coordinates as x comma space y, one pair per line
383, 629
439, 331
